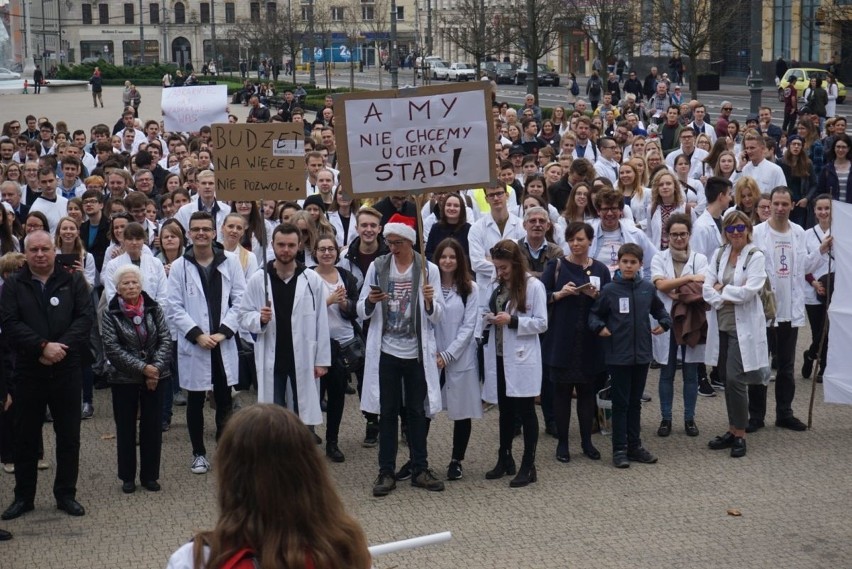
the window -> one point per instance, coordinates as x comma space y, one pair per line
255, 11
337, 13
205, 13
368, 13
87, 14
306, 13
810, 32
400, 13
783, 16
180, 13
103, 14
128, 13
271, 10
154, 13
230, 13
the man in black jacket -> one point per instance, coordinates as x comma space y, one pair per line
47, 314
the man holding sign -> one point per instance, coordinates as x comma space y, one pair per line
399, 300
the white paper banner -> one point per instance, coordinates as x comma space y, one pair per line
837, 381
410, 144
187, 109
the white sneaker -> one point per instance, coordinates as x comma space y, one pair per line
43, 464
200, 465
9, 468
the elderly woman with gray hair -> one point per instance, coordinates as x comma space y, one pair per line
138, 344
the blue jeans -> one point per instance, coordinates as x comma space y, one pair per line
172, 386
690, 383
400, 378
628, 383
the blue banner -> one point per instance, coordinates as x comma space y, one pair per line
337, 53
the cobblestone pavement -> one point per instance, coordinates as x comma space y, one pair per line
792, 489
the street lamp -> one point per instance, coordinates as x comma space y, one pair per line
394, 58
756, 48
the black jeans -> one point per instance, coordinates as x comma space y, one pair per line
628, 383
334, 382
400, 378
195, 405
510, 407
60, 393
586, 409
785, 384
126, 400
816, 318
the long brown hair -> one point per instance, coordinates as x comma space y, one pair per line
508, 250
461, 276
276, 497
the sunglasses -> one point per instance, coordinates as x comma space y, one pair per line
739, 228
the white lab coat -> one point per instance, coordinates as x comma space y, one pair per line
695, 164
185, 213
370, 396
187, 309
334, 219
813, 239
311, 345
663, 265
154, 280
743, 292
521, 346
802, 265
461, 394
484, 234
706, 237
654, 224
631, 234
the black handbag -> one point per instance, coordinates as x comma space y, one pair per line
352, 354
247, 367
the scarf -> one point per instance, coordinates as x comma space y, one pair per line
136, 314
679, 259
665, 212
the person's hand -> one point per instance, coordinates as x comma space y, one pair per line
590, 291
657, 330
218, 337
78, 266
818, 288
428, 293
54, 352
151, 372
117, 252
440, 361
802, 202
265, 315
501, 319
320, 371
336, 297
569, 289
718, 287
673, 294
8, 402
825, 246
605, 333
151, 384
699, 278
206, 342
377, 296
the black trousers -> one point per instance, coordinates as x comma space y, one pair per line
59, 392
816, 318
586, 410
785, 383
195, 405
126, 400
523, 407
334, 383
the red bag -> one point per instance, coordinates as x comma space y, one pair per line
242, 559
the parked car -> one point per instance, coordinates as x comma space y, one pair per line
545, 76
8, 74
500, 72
437, 68
805, 74
461, 72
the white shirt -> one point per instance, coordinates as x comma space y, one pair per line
767, 175
52, 210
781, 251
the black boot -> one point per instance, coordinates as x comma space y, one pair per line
526, 474
505, 465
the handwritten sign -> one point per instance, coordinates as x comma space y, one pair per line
259, 161
416, 140
187, 109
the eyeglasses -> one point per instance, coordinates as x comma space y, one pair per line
495, 196
201, 230
679, 235
739, 228
90, 201
606, 209
34, 226
727, 108
326, 250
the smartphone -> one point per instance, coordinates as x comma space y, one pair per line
376, 288
67, 260
585, 286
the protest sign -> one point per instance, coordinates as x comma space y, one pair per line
259, 161
415, 140
187, 109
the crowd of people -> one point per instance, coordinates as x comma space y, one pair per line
623, 233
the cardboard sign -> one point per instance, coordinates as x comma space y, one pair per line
187, 109
259, 161
415, 140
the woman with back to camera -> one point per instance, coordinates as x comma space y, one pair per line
736, 325
570, 349
517, 314
456, 349
268, 465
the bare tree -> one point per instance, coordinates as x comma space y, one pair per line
534, 32
351, 24
278, 34
690, 27
376, 21
605, 23
474, 26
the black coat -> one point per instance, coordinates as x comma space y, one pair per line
30, 317
124, 349
101, 243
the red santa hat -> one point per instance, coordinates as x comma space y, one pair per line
401, 225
